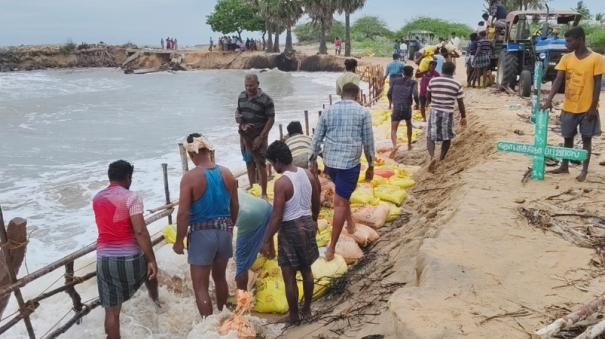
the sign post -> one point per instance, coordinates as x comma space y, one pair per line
540, 149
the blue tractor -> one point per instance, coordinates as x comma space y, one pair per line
531, 36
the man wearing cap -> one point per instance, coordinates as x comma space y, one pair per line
208, 208
255, 115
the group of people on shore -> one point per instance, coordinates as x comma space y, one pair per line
209, 203
234, 43
169, 43
209, 206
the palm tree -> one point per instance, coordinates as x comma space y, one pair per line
264, 8
288, 13
321, 12
348, 7
600, 18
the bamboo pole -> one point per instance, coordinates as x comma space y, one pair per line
71, 257
330, 99
14, 254
70, 290
76, 318
319, 113
281, 132
166, 188
184, 161
307, 122
72, 282
13, 278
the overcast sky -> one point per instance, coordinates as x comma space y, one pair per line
146, 21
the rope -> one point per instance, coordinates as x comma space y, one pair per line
12, 244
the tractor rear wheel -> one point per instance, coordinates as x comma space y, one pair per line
508, 69
525, 82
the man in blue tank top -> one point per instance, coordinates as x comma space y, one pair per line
208, 208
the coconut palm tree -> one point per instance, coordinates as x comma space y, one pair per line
288, 13
321, 12
347, 7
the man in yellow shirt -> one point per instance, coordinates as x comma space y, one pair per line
582, 70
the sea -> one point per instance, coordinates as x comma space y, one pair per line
60, 129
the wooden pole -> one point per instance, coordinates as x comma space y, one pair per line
13, 255
76, 318
281, 132
166, 189
71, 291
307, 122
184, 161
319, 113
13, 279
330, 99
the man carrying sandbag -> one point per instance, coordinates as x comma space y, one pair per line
344, 130
252, 221
208, 209
295, 210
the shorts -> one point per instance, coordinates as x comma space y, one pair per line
441, 126
345, 180
483, 61
401, 112
571, 122
204, 246
423, 101
118, 278
249, 156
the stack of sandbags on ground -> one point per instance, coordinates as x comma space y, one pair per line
363, 195
325, 232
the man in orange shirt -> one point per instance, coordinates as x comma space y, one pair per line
582, 70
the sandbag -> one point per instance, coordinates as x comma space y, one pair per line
270, 269
347, 247
364, 235
373, 216
391, 193
258, 263
402, 182
322, 224
362, 195
384, 172
169, 233
323, 238
325, 271
328, 190
394, 211
271, 295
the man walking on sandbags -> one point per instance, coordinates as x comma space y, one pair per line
295, 210
345, 129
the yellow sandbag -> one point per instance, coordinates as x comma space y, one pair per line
362, 195
402, 182
323, 238
270, 269
378, 180
417, 116
326, 213
324, 271
425, 63
347, 247
394, 211
258, 263
320, 165
271, 295
322, 224
364, 235
373, 216
391, 193
256, 190
169, 233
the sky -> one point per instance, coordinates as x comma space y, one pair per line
144, 22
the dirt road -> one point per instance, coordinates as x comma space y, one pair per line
465, 262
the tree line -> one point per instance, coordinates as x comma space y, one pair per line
274, 17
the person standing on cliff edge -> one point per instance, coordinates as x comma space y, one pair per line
255, 115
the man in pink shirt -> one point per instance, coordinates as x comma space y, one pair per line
125, 258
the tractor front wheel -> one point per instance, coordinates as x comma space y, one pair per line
525, 83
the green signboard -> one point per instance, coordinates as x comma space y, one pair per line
540, 149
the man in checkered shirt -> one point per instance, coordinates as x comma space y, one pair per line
344, 130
